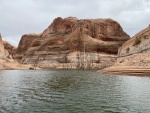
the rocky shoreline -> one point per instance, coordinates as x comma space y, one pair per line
7, 64
127, 70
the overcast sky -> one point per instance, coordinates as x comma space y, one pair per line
18, 17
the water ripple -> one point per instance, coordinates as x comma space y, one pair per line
72, 91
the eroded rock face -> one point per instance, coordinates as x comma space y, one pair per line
101, 35
6, 60
5, 49
25, 42
69, 40
2, 50
133, 56
9, 48
135, 51
140, 42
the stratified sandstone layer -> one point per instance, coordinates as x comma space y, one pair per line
6, 60
73, 43
3, 53
133, 56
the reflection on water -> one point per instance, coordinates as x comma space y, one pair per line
72, 91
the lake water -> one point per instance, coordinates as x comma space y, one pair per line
72, 91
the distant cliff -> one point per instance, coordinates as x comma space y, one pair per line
2, 50
6, 53
73, 43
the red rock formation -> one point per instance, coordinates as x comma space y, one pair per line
134, 56
3, 53
135, 51
68, 35
6, 49
25, 42
6, 60
10, 48
140, 42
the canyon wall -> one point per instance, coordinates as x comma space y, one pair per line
6, 57
133, 55
136, 51
73, 43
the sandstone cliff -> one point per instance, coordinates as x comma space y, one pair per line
2, 50
24, 44
9, 49
73, 43
6, 60
133, 55
139, 43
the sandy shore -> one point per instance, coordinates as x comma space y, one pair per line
127, 70
6, 64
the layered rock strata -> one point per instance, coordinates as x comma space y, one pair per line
3, 53
6, 60
134, 56
73, 43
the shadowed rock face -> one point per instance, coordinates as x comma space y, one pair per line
6, 60
68, 40
10, 48
25, 42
